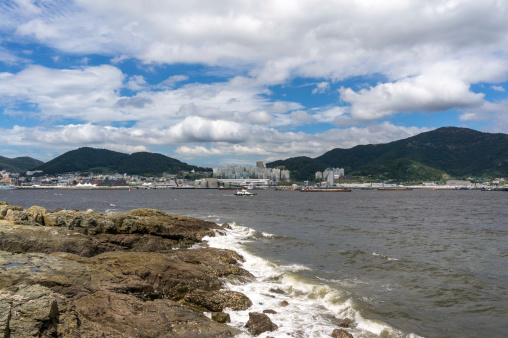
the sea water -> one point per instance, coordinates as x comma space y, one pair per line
426, 263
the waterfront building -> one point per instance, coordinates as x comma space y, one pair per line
257, 172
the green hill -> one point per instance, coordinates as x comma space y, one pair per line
18, 164
457, 152
102, 161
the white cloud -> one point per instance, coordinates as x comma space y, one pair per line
86, 94
321, 88
426, 93
498, 88
224, 138
312, 38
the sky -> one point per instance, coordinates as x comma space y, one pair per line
226, 82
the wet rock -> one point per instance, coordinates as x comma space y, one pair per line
284, 303
278, 291
259, 323
217, 301
270, 311
340, 333
221, 317
346, 323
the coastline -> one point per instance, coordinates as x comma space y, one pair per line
120, 273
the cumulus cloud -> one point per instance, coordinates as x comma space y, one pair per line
426, 93
86, 93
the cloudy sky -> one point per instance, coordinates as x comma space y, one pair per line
234, 81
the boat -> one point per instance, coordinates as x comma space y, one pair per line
325, 190
244, 192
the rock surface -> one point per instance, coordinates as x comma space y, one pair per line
71, 273
259, 323
340, 333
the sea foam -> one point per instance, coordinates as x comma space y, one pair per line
304, 307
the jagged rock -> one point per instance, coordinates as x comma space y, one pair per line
221, 317
32, 311
37, 214
217, 301
113, 275
259, 323
5, 207
134, 317
19, 217
340, 333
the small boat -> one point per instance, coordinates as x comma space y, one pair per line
244, 192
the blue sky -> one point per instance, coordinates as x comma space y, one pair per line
232, 82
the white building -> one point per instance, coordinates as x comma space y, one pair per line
238, 172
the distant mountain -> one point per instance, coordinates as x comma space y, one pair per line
109, 162
18, 164
448, 151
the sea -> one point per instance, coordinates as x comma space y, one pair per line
416, 263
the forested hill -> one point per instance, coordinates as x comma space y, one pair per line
107, 161
18, 164
444, 152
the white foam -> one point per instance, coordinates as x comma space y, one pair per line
383, 256
314, 307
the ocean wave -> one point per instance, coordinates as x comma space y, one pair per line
303, 307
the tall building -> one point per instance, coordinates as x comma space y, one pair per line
258, 172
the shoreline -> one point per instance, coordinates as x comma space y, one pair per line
110, 272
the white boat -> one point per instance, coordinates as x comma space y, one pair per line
243, 192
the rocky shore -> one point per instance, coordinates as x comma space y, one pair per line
142, 273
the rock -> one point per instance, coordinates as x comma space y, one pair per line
270, 311
340, 333
5, 207
115, 275
284, 303
217, 301
259, 323
19, 217
134, 317
221, 317
37, 214
346, 323
32, 311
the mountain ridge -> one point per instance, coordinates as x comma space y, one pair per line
18, 164
103, 161
445, 152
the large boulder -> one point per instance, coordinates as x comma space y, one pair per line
259, 323
341, 333
134, 317
217, 301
